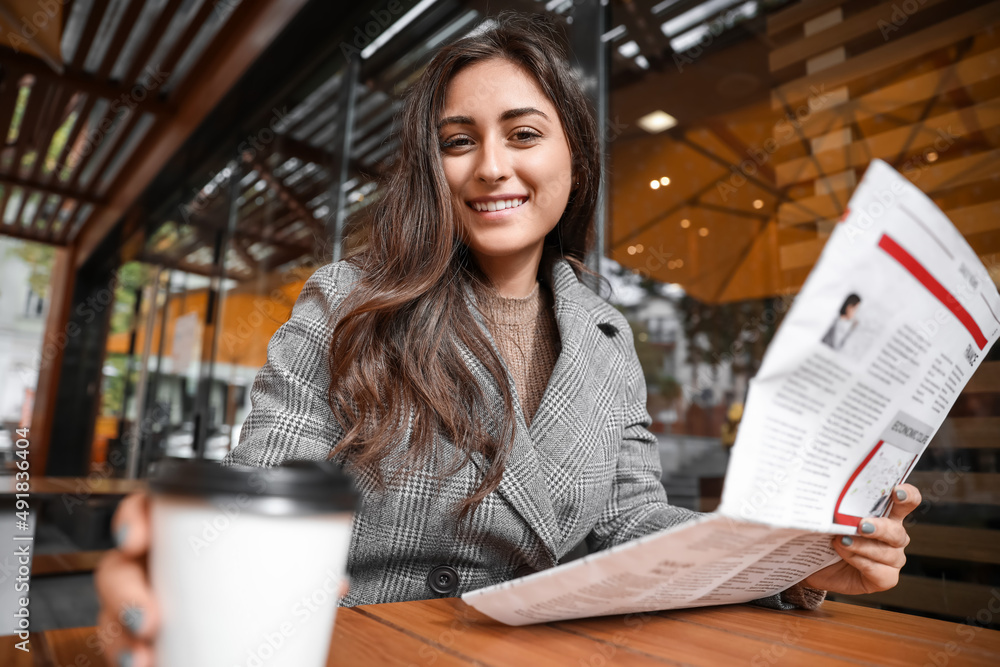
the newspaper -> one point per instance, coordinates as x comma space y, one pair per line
886, 331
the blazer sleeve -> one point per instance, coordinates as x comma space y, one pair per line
290, 417
638, 504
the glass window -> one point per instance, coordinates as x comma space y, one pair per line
741, 130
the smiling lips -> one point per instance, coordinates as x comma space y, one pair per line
501, 206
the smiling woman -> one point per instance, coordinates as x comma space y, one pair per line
490, 405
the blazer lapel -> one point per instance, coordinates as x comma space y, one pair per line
526, 483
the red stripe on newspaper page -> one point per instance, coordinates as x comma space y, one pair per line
847, 519
922, 275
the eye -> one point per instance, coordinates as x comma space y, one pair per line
525, 135
454, 142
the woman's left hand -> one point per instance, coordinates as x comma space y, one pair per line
873, 558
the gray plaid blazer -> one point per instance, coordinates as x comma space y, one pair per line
586, 470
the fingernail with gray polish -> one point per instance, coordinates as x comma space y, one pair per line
120, 535
867, 528
132, 618
847, 540
125, 659
901, 494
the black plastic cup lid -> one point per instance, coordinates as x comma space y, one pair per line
292, 487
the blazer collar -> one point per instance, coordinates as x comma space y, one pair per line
525, 482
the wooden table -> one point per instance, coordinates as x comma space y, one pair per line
448, 632
81, 487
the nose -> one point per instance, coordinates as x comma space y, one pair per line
493, 164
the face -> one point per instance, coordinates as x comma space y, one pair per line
507, 162
849, 311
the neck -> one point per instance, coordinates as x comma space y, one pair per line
514, 277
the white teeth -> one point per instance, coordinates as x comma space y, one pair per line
497, 205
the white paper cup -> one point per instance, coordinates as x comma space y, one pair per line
246, 563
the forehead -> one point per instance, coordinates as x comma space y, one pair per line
485, 87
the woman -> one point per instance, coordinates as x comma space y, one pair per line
504, 406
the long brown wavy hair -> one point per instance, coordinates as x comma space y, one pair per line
394, 358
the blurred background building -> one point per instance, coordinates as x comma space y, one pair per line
172, 171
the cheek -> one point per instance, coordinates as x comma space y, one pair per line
553, 192
455, 174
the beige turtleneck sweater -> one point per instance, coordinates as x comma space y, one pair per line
527, 336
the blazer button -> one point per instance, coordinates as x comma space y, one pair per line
524, 571
443, 580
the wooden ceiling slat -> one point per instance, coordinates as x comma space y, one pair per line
36, 223
273, 261
977, 219
79, 125
61, 111
964, 170
42, 139
152, 39
72, 222
120, 133
122, 32
18, 233
178, 252
288, 147
84, 160
249, 30
48, 222
207, 270
118, 139
245, 231
78, 80
63, 231
270, 214
241, 250
285, 193
921, 135
9, 85
954, 76
60, 191
894, 52
103, 71
853, 27
48, 124
97, 10
315, 188
184, 41
798, 13
38, 99
7, 191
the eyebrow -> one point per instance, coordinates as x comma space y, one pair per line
509, 114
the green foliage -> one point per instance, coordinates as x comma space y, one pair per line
669, 387
113, 392
39, 257
19, 106
735, 332
132, 276
59, 139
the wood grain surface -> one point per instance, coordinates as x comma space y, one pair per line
448, 632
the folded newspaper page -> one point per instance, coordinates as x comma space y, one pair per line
892, 322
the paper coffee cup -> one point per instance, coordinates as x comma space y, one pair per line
246, 563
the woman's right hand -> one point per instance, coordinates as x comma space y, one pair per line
128, 619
